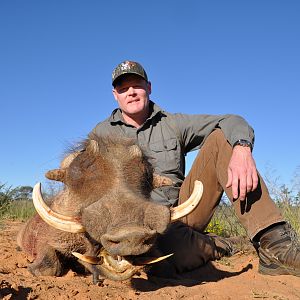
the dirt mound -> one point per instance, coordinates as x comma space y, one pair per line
232, 278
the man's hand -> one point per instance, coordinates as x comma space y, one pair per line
242, 174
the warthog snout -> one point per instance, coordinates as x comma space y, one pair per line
129, 240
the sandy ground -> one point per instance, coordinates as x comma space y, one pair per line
231, 278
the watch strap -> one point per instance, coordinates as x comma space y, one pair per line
243, 143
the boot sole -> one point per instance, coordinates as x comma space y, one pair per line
277, 270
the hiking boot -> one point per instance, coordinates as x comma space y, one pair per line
279, 251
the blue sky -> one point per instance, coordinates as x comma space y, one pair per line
215, 57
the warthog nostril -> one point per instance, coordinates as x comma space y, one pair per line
113, 242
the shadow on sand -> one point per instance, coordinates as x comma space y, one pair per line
14, 293
207, 273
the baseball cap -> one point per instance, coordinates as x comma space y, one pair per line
128, 67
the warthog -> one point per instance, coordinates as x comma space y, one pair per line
103, 215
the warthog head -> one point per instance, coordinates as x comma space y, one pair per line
107, 199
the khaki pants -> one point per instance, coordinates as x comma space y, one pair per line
257, 212
185, 239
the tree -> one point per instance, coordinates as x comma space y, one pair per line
23, 193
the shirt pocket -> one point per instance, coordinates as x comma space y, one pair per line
164, 155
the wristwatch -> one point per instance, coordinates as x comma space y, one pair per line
243, 143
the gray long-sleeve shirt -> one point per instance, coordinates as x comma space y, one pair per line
166, 138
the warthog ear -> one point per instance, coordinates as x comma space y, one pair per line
68, 159
56, 174
135, 151
159, 180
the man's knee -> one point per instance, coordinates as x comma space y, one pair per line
216, 139
217, 134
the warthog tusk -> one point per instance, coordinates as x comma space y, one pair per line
189, 205
94, 260
54, 219
155, 260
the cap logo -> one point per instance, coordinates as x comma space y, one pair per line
127, 65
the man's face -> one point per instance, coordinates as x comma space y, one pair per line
132, 94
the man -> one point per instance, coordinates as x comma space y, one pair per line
225, 163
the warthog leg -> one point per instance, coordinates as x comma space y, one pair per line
97, 276
47, 263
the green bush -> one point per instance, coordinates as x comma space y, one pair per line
225, 222
6, 195
291, 213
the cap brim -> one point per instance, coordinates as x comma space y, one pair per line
126, 73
